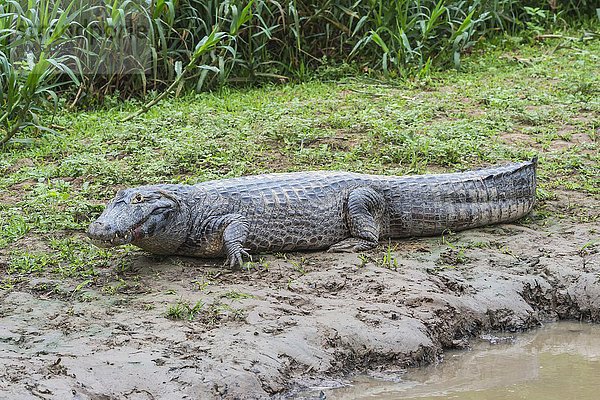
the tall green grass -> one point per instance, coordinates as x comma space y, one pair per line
87, 50
31, 69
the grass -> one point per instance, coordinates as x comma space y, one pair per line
184, 310
388, 259
57, 53
495, 109
236, 295
208, 314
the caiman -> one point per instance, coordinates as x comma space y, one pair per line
339, 211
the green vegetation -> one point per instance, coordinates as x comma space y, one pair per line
67, 257
236, 295
88, 53
184, 310
389, 260
208, 314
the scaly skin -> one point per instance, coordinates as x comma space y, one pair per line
340, 211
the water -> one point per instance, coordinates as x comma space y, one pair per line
558, 361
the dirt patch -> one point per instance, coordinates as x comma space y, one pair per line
291, 321
519, 139
567, 137
575, 205
22, 163
16, 193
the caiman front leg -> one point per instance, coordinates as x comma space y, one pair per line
223, 235
234, 236
365, 208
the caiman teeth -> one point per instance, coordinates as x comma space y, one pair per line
119, 238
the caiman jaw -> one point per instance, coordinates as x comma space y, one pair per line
102, 237
116, 240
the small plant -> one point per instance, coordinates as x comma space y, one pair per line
237, 295
114, 289
82, 285
14, 227
389, 259
218, 312
589, 247
364, 260
536, 19
202, 284
504, 249
183, 310
176, 311
289, 283
192, 311
28, 263
455, 254
9, 283
479, 245
261, 265
299, 265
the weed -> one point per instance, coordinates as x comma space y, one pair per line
260, 265
478, 245
299, 265
506, 250
455, 254
28, 263
289, 283
237, 295
217, 312
192, 311
202, 284
9, 283
389, 260
14, 227
452, 257
82, 285
115, 288
184, 310
176, 311
364, 260
587, 247
87, 297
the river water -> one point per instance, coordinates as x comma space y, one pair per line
559, 361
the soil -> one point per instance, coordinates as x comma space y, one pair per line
292, 321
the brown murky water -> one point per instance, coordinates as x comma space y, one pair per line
558, 361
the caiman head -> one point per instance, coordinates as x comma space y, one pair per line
150, 217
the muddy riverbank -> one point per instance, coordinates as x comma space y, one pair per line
182, 328
556, 361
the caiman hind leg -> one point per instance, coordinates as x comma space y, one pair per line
365, 209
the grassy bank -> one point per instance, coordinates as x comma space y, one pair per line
503, 105
82, 52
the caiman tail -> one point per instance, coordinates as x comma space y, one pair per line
431, 204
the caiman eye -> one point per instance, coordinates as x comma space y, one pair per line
138, 198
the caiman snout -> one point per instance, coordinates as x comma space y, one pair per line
104, 234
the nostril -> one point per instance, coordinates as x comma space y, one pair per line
98, 227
